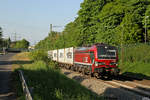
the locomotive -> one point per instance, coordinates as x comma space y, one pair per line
97, 60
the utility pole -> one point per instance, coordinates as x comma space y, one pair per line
15, 37
51, 26
64, 39
122, 49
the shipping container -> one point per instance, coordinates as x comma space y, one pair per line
69, 55
61, 55
55, 53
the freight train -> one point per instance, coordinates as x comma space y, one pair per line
97, 60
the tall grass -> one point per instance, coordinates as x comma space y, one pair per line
137, 53
136, 59
50, 84
47, 82
39, 55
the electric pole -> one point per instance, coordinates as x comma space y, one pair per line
51, 26
122, 48
15, 37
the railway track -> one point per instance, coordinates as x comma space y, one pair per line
125, 85
139, 89
131, 86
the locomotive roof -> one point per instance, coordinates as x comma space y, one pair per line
89, 48
82, 48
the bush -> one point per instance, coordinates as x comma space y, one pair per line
39, 55
21, 44
36, 65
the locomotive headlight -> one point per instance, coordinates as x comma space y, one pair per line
116, 64
96, 63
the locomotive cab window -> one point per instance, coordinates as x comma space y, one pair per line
106, 52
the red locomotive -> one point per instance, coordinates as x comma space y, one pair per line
98, 60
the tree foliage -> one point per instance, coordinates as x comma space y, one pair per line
24, 44
108, 21
4, 42
1, 37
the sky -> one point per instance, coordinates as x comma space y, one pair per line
31, 19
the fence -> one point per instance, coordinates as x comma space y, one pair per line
134, 52
25, 87
134, 60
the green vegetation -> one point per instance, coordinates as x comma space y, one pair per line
136, 60
108, 21
4, 42
137, 53
112, 22
39, 55
24, 44
48, 82
17, 87
138, 70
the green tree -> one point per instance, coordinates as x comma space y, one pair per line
1, 36
6, 43
108, 21
147, 16
22, 44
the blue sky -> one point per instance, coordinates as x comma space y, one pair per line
31, 19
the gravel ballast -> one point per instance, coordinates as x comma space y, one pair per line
101, 88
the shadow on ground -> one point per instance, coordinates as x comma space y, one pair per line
128, 76
67, 73
136, 76
14, 62
79, 78
120, 94
50, 84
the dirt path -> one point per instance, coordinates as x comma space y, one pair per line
5, 79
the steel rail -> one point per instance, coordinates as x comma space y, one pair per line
144, 94
138, 91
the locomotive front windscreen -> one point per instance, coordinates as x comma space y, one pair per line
106, 52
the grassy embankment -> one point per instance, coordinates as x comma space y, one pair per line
48, 83
136, 61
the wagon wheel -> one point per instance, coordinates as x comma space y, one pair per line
96, 75
75, 69
79, 69
72, 68
83, 71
